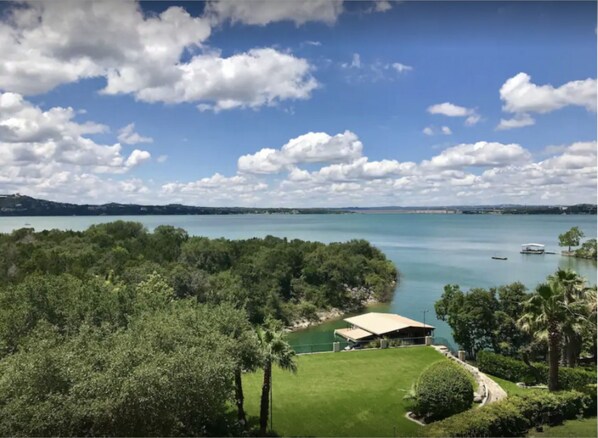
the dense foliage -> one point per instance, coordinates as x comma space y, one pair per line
515, 415
443, 389
535, 373
167, 371
117, 331
484, 318
269, 277
587, 250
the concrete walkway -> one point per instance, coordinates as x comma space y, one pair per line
488, 390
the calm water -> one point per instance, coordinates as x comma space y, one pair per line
430, 250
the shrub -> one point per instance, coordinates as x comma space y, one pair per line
517, 371
501, 366
514, 416
572, 378
443, 389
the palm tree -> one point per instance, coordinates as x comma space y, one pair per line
544, 314
275, 350
576, 323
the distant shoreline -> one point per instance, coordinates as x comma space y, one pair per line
19, 206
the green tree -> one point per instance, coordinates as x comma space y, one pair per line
170, 373
571, 238
275, 350
587, 250
471, 317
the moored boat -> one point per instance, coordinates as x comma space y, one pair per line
499, 258
532, 248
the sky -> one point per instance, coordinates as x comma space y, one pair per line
311, 103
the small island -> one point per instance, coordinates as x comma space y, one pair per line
573, 238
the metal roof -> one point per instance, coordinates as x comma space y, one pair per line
353, 334
382, 323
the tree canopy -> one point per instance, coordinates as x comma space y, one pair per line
571, 238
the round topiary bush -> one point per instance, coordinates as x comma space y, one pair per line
443, 389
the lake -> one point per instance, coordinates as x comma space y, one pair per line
430, 250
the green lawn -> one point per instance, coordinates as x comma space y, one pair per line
358, 393
573, 428
511, 388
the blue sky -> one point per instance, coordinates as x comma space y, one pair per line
451, 102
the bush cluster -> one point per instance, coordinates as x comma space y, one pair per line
517, 371
443, 389
503, 367
515, 416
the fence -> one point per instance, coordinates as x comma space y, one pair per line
346, 346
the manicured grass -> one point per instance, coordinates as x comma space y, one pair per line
574, 428
357, 393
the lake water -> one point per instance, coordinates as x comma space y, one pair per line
430, 250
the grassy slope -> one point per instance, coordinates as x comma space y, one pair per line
574, 428
357, 393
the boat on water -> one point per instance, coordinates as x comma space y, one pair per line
499, 258
532, 248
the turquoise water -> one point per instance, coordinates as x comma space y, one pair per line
430, 250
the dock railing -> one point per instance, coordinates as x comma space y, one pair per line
343, 345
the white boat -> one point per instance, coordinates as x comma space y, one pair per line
532, 248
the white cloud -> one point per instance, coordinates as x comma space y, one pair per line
42, 48
216, 190
519, 121
472, 119
382, 6
451, 110
162, 158
32, 137
252, 79
47, 153
579, 155
520, 95
355, 62
362, 169
263, 12
482, 172
127, 135
480, 154
313, 147
137, 157
430, 130
401, 67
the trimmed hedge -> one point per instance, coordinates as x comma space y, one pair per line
443, 389
504, 367
517, 371
515, 415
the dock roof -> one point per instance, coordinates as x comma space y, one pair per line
382, 323
355, 334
